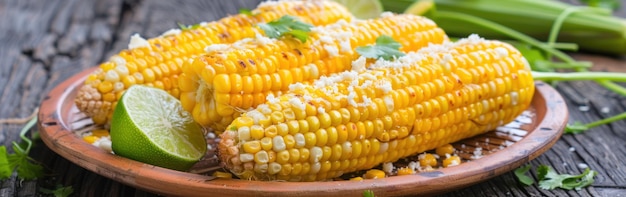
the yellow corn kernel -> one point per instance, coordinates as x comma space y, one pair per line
405, 171
451, 161
442, 116
428, 160
100, 133
281, 63
162, 61
222, 175
374, 174
444, 150
90, 139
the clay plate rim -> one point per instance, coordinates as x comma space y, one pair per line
551, 112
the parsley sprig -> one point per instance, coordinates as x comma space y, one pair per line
549, 179
187, 27
386, 47
287, 26
27, 168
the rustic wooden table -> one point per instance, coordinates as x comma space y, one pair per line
42, 43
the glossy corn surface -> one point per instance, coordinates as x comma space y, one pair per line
216, 87
157, 62
380, 112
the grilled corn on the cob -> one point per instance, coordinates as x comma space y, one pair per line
358, 119
157, 62
217, 86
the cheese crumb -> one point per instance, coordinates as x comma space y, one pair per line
216, 47
358, 65
388, 167
171, 32
136, 41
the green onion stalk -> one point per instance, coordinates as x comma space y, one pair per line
593, 29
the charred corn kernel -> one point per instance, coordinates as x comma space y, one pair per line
451, 161
427, 159
374, 174
405, 171
334, 150
161, 58
444, 150
222, 175
264, 66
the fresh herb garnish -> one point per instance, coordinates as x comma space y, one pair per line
27, 168
246, 12
368, 193
607, 4
60, 191
550, 179
386, 47
520, 173
287, 25
186, 27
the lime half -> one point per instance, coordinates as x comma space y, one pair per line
363, 9
151, 126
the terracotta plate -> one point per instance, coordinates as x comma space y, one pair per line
503, 151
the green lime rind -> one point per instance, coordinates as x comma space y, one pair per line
363, 9
150, 126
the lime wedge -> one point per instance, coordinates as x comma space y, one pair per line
363, 9
421, 7
151, 126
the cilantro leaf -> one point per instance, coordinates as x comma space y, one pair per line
386, 47
550, 179
246, 12
60, 191
5, 168
607, 4
287, 25
520, 173
186, 27
24, 165
368, 193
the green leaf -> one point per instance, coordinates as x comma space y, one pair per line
186, 27
386, 47
368, 193
577, 127
520, 173
246, 12
24, 165
5, 168
60, 191
607, 4
287, 26
550, 179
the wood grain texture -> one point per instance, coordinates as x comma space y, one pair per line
42, 43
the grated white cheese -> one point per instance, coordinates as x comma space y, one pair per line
388, 167
256, 115
297, 103
321, 110
272, 99
136, 41
582, 165
332, 50
171, 32
296, 86
358, 65
263, 40
501, 53
384, 86
216, 47
386, 14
